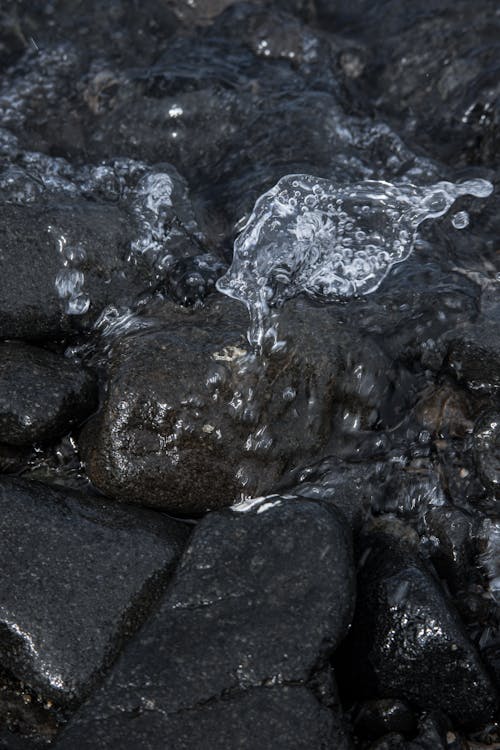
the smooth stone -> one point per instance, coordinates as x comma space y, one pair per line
282, 718
75, 240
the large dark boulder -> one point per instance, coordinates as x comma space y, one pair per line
263, 595
191, 418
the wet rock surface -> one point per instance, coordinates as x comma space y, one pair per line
288, 568
278, 717
42, 396
190, 419
405, 635
77, 240
79, 575
473, 357
135, 143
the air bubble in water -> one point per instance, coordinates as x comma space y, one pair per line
68, 281
69, 286
460, 220
78, 305
330, 242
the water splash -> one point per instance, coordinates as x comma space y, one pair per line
307, 235
460, 220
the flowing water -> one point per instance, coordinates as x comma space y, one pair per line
309, 235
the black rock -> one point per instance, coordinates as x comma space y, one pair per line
262, 596
377, 717
353, 488
450, 534
487, 450
473, 357
434, 67
282, 718
42, 395
78, 577
431, 735
191, 419
74, 240
407, 640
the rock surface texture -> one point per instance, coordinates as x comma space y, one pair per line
79, 575
249, 375
287, 566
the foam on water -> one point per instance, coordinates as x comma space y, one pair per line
307, 235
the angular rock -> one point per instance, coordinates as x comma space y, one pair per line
78, 577
74, 240
407, 640
451, 533
42, 394
261, 598
190, 420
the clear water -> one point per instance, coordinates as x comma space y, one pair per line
308, 235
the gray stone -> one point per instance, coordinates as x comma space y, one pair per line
262, 597
78, 577
42, 394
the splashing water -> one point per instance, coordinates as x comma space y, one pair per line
460, 220
307, 235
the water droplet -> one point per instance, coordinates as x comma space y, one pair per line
460, 220
78, 305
